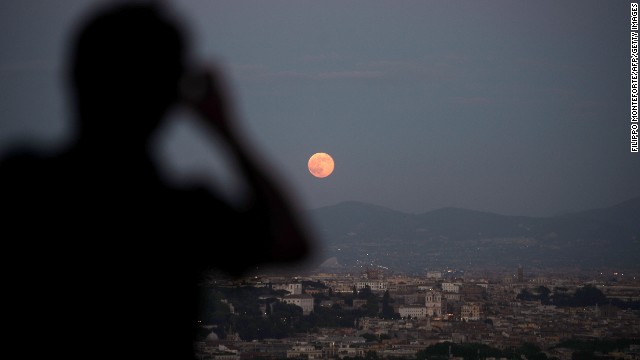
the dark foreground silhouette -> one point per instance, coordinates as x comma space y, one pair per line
101, 257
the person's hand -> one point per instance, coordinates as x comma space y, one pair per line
204, 93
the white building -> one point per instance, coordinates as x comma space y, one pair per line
292, 288
412, 311
451, 287
303, 350
305, 301
374, 285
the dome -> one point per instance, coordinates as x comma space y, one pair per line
211, 337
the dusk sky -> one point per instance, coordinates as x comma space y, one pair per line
512, 107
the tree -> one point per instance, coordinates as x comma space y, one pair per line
214, 310
589, 296
371, 355
531, 352
369, 337
372, 307
543, 294
525, 295
387, 309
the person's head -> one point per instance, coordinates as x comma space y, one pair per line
126, 63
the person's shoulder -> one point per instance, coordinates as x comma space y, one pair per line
195, 196
20, 161
24, 167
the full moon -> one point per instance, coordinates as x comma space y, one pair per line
320, 165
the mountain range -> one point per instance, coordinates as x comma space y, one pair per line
355, 234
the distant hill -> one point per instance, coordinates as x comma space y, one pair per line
626, 214
360, 233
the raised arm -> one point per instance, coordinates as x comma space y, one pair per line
284, 234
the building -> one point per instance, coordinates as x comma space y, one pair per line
472, 292
452, 287
372, 274
292, 288
412, 311
520, 274
434, 275
374, 285
305, 301
470, 311
433, 302
304, 351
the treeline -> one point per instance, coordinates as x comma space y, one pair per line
582, 350
587, 295
471, 351
475, 351
596, 349
257, 313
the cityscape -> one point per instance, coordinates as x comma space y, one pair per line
468, 172
376, 313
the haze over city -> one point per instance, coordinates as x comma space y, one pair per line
517, 108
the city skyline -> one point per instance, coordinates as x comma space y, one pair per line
552, 313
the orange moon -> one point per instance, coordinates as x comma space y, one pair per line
320, 165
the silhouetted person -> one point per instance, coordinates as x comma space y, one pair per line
102, 258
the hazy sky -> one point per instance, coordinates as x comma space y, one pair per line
514, 107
